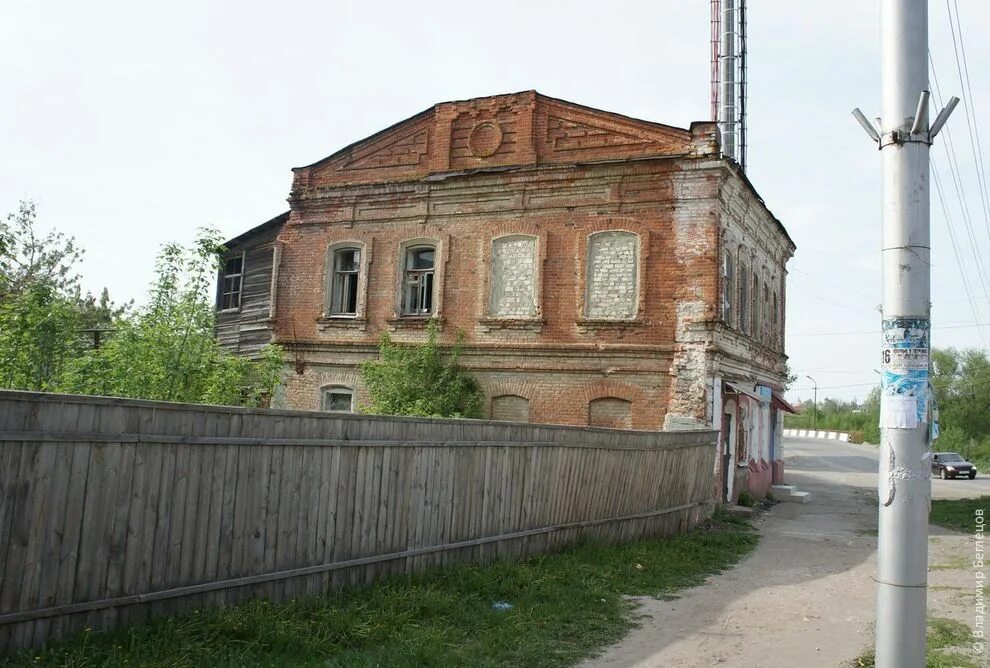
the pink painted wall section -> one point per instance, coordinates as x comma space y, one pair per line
760, 478
778, 472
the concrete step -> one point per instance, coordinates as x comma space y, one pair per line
789, 493
795, 497
740, 511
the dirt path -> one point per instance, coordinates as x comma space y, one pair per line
806, 596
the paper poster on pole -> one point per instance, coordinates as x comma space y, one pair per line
904, 378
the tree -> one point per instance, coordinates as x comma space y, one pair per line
167, 350
421, 380
39, 312
961, 383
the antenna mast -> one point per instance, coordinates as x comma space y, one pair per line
729, 76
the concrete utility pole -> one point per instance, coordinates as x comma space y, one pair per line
904, 139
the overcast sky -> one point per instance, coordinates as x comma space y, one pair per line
131, 124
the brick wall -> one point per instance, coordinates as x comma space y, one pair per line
518, 231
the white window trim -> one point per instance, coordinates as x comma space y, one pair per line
329, 389
328, 276
439, 265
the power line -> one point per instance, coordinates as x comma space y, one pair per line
956, 173
877, 332
955, 248
971, 121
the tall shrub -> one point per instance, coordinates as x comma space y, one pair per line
421, 380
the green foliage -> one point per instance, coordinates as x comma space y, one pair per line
41, 309
165, 350
421, 380
37, 337
835, 415
566, 607
961, 380
959, 514
944, 636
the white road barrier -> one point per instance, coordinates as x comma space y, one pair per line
811, 433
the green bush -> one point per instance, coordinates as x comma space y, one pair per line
421, 380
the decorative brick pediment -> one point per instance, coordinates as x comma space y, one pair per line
522, 129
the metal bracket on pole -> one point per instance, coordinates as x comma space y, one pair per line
870, 130
942, 117
917, 133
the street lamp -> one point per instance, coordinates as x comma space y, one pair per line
814, 417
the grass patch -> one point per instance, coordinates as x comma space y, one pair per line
566, 607
958, 514
943, 634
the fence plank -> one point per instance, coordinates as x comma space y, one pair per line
111, 510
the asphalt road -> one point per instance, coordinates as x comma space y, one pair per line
813, 455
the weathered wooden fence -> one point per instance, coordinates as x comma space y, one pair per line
113, 510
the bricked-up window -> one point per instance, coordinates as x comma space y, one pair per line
510, 408
230, 287
610, 412
344, 282
612, 275
513, 278
337, 399
417, 280
744, 322
728, 287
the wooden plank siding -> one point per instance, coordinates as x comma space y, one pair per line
248, 329
112, 510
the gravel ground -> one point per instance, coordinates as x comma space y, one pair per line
806, 596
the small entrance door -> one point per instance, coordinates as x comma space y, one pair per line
726, 454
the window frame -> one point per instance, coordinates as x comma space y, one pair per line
329, 284
340, 277
328, 390
728, 287
405, 249
221, 284
636, 281
743, 301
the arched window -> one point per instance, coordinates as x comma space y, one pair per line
345, 268
744, 311
510, 408
775, 324
757, 307
610, 412
513, 277
612, 275
728, 287
418, 284
337, 399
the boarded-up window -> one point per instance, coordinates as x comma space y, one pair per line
510, 408
610, 412
513, 280
612, 272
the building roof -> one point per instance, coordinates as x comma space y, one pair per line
275, 222
516, 130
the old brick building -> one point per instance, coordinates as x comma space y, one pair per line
605, 271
